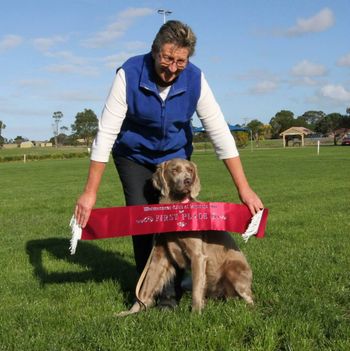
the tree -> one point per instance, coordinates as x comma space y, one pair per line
19, 139
301, 122
241, 138
57, 116
256, 128
309, 119
266, 131
282, 121
85, 126
63, 129
2, 126
331, 123
61, 139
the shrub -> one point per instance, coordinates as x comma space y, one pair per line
37, 157
241, 138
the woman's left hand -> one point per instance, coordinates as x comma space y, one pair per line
251, 199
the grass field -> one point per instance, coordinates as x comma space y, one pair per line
66, 151
42, 150
50, 300
41, 153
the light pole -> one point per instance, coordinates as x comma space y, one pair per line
164, 13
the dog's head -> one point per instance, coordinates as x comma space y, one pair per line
177, 180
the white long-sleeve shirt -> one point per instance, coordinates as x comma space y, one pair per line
114, 112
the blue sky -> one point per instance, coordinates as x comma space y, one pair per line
259, 57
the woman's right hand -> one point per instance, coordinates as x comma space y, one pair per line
87, 200
83, 207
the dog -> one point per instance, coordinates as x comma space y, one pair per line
219, 269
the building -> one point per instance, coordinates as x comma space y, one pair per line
297, 134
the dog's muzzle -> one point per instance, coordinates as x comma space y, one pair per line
188, 181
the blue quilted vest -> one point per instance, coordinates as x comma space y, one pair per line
155, 130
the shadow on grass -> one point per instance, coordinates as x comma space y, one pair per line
100, 265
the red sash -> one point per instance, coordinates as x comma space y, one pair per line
163, 218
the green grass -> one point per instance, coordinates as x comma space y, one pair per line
268, 144
41, 153
42, 150
50, 300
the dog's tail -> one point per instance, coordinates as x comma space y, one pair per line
142, 277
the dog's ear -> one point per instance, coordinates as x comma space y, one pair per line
158, 179
196, 186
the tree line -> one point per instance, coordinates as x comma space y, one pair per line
84, 130
317, 121
85, 127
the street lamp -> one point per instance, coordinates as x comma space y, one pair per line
164, 13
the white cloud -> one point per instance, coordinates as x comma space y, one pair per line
304, 81
10, 41
114, 61
265, 81
264, 87
78, 96
117, 28
68, 57
44, 44
24, 111
33, 83
136, 45
317, 23
258, 74
308, 69
68, 68
344, 61
70, 63
335, 92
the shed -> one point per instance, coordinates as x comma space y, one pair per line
10, 146
296, 132
26, 144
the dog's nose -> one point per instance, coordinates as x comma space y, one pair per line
188, 181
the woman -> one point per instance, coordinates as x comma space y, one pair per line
147, 120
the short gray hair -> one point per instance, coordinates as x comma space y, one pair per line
175, 32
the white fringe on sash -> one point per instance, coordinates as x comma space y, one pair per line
76, 235
253, 226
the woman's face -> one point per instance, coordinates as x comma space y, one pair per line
170, 61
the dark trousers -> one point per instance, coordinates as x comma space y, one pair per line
136, 180
138, 189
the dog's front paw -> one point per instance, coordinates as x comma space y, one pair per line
123, 313
197, 307
137, 307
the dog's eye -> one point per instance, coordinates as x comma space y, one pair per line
174, 170
190, 170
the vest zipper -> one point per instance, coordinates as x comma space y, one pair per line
163, 121
162, 112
